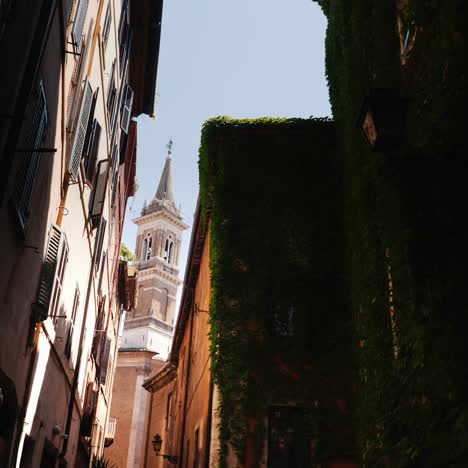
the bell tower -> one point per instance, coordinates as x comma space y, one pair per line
150, 326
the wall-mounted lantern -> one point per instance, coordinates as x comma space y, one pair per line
382, 119
157, 444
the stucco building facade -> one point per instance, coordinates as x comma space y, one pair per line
79, 71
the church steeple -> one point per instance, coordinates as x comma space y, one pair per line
164, 191
164, 196
158, 248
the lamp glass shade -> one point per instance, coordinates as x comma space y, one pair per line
157, 443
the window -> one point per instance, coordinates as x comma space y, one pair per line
67, 10
76, 303
81, 130
126, 108
168, 250
74, 85
5, 7
78, 25
27, 173
288, 444
115, 173
169, 411
147, 247
99, 243
49, 454
187, 454
101, 274
90, 153
124, 37
107, 25
98, 195
104, 361
58, 279
196, 449
283, 320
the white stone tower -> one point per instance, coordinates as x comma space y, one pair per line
150, 326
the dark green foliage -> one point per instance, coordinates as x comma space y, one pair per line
273, 188
405, 223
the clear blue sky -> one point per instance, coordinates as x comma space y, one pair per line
242, 58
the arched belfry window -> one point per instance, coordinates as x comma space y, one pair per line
169, 250
147, 247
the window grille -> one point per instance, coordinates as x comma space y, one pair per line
28, 170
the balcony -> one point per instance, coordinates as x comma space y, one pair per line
110, 432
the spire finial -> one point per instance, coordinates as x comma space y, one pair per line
169, 148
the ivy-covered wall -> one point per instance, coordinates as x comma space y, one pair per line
280, 320
406, 228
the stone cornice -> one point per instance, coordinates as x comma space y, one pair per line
161, 273
161, 214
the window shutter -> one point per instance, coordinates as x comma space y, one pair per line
105, 362
90, 127
100, 242
107, 25
27, 173
91, 157
68, 6
126, 109
80, 18
99, 191
41, 306
80, 131
115, 173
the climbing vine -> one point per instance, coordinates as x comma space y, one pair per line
280, 328
405, 231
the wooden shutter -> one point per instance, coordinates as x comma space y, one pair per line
105, 362
78, 25
126, 113
80, 131
99, 191
41, 307
27, 174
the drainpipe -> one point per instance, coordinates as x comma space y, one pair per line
189, 355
